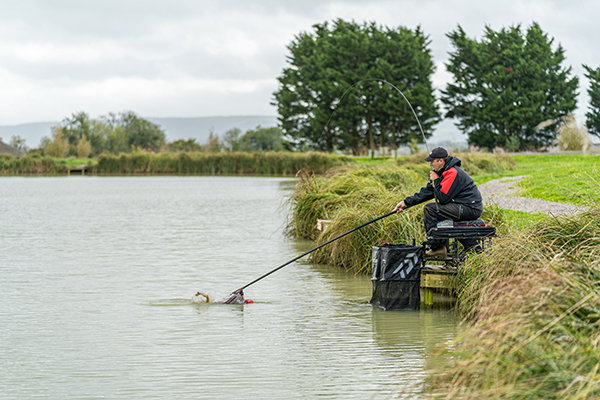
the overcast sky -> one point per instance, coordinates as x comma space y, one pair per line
181, 58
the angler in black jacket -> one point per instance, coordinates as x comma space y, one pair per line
457, 198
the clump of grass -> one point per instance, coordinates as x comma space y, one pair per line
571, 136
533, 310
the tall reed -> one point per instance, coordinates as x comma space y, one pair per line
237, 163
30, 165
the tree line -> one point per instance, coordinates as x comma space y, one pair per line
509, 89
82, 136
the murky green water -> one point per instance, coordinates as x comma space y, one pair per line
97, 274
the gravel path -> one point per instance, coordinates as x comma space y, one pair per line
504, 193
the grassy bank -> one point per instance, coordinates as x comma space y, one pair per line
142, 163
350, 196
532, 316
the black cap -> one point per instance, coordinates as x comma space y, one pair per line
438, 152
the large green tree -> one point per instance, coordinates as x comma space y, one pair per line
593, 114
333, 96
509, 89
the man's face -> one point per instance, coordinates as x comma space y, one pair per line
437, 164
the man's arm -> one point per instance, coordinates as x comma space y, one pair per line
447, 187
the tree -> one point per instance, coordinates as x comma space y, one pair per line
18, 142
333, 96
117, 141
505, 85
232, 139
184, 145
58, 146
262, 139
593, 115
213, 145
115, 133
142, 133
84, 148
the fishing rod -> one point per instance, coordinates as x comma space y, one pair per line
238, 294
238, 291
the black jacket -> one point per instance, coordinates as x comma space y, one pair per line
453, 185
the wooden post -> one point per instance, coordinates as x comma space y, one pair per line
428, 296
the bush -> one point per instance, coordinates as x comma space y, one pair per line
573, 137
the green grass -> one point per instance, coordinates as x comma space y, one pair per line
75, 162
571, 178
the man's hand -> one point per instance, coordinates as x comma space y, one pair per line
433, 176
400, 206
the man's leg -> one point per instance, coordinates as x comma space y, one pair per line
469, 214
434, 213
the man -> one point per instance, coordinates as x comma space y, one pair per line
456, 198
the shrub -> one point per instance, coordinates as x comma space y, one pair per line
573, 137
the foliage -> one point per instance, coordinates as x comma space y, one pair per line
259, 139
505, 85
262, 139
232, 139
332, 96
183, 145
18, 142
213, 145
571, 136
532, 305
84, 148
58, 146
218, 163
140, 132
113, 133
414, 146
30, 164
593, 114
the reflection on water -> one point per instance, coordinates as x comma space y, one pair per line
98, 276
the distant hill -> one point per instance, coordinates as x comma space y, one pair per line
175, 128
32, 133
199, 128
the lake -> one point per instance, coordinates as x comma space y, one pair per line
98, 275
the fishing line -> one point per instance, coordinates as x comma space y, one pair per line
411, 108
393, 86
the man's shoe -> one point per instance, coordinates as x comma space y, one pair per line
437, 253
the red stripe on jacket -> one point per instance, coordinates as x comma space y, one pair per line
448, 179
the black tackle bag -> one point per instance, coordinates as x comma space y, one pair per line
396, 276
